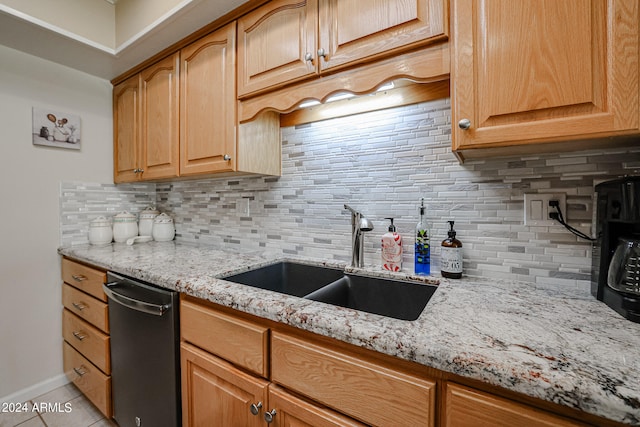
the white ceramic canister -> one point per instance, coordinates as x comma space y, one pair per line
145, 224
125, 226
163, 228
100, 231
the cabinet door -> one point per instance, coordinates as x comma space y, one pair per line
292, 411
126, 132
215, 393
536, 70
355, 30
466, 407
277, 44
159, 120
208, 104
365, 390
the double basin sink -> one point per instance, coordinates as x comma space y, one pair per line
386, 297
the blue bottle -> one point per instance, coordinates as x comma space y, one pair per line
422, 245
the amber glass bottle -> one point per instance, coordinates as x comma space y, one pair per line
451, 255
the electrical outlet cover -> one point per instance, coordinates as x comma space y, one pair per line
536, 208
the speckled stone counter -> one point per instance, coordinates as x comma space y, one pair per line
560, 346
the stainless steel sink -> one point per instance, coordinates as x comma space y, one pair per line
386, 297
289, 278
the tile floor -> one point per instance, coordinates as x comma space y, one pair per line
65, 406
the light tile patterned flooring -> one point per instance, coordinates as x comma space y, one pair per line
65, 406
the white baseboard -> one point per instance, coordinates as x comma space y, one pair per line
36, 390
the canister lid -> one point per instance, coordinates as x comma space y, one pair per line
163, 218
124, 217
149, 212
100, 221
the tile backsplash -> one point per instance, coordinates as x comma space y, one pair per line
82, 202
382, 163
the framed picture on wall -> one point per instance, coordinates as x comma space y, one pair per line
55, 129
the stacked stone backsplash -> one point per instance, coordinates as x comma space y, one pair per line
382, 163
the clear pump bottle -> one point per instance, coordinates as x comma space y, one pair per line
422, 245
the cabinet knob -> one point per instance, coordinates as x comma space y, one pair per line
227, 157
308, 57
140, 170
80, 371
464, 124
255, 408
268, 416
79, 277
322, 53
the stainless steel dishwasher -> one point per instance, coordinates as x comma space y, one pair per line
145, 353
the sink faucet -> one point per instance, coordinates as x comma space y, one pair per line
359, 224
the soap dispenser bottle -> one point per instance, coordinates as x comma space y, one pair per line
451, 255
391, 249
422, 263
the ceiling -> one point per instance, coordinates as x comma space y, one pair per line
33, 36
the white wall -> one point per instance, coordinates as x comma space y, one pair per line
133, 16
93, 20
30, 284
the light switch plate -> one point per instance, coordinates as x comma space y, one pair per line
536, 208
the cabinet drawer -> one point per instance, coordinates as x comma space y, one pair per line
93, 383
363, 390
90, 309
239, 341
84, 278
88, 340
466, 407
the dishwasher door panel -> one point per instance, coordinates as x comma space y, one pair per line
143, 320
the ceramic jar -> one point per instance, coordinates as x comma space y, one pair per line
145, 224
125, 226
100, 231
163, 228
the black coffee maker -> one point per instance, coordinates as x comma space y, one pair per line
615, 268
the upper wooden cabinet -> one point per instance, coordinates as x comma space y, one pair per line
542, 70
178, 117
273, 42
145, 115
288, 40
208, 104
160, 123
126, 133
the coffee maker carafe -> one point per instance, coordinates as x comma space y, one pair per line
615, 272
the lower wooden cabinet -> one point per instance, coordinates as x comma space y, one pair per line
352, 384
85, 329
92, 382
292, 411
467, 407
215, 393
281, 376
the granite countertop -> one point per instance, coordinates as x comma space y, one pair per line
562, 346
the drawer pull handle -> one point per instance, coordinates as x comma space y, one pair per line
79, 305
79, 335
80, 371
79, 277
255, 408
268, 416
